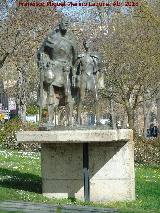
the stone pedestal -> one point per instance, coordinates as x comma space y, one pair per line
111, 163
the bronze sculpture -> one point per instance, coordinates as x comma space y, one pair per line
89, 76
65, 75
56, 60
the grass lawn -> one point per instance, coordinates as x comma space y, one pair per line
20, 180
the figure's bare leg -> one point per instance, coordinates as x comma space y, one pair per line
97, 113
55, 116
97, 110
69, 110
70, 104
50, 113
79, 109
51, 104
80, 103
69, 100
62, 117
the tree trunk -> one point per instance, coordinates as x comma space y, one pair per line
114, 126
146, 122
146, 112
23, 113
158, 112
21, 93
130, 114
125, 121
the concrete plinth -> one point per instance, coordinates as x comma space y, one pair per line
111, 163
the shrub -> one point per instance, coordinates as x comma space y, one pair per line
147, 150
32, 109
8, 134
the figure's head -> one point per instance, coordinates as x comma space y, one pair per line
64, 24
87, 44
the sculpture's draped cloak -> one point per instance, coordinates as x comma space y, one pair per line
57, 55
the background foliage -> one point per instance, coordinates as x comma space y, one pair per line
147, 151
8, 134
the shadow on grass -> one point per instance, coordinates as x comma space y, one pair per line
22, 181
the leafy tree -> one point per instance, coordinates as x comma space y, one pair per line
132, 54
22, 32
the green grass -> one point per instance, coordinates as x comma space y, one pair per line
20, 180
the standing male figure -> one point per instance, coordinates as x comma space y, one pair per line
56, 60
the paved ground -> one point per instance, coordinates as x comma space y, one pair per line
28, 207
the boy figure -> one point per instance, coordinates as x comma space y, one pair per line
89, 76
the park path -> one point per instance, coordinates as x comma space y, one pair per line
28, 207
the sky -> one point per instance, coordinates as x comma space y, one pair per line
82, 13
76, 13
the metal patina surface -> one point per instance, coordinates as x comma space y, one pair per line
65, 75
56, 60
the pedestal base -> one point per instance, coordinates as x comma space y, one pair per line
111, 164
111, 171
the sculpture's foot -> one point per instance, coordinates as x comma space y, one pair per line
46, 126
98, 123
76, 123
70, 124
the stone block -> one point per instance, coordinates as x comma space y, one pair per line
111, 163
